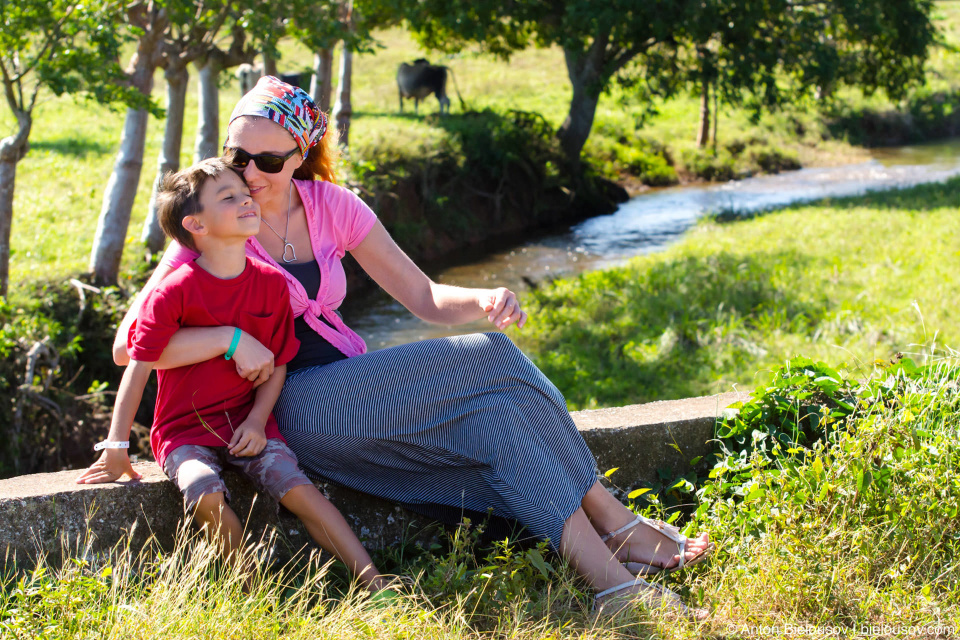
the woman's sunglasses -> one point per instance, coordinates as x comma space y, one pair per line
266, 162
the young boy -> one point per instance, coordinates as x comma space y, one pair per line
206, 414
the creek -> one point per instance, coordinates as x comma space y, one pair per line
646, 223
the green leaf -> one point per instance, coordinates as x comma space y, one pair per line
610, 472
537, 561
636, 493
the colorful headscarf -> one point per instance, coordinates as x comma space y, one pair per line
288, 106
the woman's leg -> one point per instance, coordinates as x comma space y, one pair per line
637, 544
585, 551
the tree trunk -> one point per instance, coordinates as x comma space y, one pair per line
208, 112
12, 150
321, 85
585, 78
169, 159
703, 133
343, 109
121, 188
269, 65
716, 116
118, 200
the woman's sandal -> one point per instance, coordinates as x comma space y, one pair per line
672, 533
654, 596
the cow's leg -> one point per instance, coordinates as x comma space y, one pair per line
444, 102
400, 95
416, 106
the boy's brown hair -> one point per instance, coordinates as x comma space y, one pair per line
178, 196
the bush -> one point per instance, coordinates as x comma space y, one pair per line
701, 163
772, 160
51, 420
642, 159
845, 492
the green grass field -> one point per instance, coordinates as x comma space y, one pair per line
845, 281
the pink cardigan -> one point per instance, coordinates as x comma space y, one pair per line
338, 220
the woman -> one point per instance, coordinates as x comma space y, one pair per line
467, 423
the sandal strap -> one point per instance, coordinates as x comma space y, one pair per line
626, 527
621, 587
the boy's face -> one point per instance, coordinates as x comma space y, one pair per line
228, 210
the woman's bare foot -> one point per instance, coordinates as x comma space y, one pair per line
656, 545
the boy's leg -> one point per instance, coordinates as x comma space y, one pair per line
330, 529
221, 524
276, 472
197, 471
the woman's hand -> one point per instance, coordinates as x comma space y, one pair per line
254, 361
502, 308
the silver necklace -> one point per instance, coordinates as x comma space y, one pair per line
285, 231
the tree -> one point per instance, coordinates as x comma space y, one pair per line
598, 40
150, 20
192, 34
783, 51
59, 46
773, 49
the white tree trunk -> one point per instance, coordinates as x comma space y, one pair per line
12, 150
169, 158
343, 109
269, 65
321, 84
118, 199
208, 112
8, 173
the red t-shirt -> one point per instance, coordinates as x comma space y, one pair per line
256, 301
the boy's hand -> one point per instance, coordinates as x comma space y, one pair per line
248, 440
112, 465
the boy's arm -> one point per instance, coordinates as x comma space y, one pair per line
114, 463
249, 439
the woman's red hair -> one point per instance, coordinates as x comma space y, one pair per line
322, 159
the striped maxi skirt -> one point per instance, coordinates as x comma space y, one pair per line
447, 425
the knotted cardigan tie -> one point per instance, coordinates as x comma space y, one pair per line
339, 334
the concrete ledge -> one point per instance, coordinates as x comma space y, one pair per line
43, 513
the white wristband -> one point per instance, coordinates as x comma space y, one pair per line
112, 444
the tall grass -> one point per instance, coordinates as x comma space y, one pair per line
829, 523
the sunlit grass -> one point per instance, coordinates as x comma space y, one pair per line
816, 548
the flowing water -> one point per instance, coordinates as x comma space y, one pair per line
646, 223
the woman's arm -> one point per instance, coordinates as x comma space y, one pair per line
393, 270
191, 345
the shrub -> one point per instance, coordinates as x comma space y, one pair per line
701, 163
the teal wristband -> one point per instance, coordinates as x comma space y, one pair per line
233, 343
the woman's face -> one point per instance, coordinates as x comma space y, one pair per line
257, 135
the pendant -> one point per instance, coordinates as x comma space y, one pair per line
292, 250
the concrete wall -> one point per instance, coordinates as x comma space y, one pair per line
44, 513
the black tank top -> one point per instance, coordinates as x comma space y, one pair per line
314, 348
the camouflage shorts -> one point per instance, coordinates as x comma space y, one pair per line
197, 470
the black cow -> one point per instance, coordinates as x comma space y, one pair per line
248, 75
420, 79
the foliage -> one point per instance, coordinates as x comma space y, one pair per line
51, 420
641, 158
819, 472
926, 115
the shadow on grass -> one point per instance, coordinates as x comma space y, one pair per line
76, 147
670, 329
